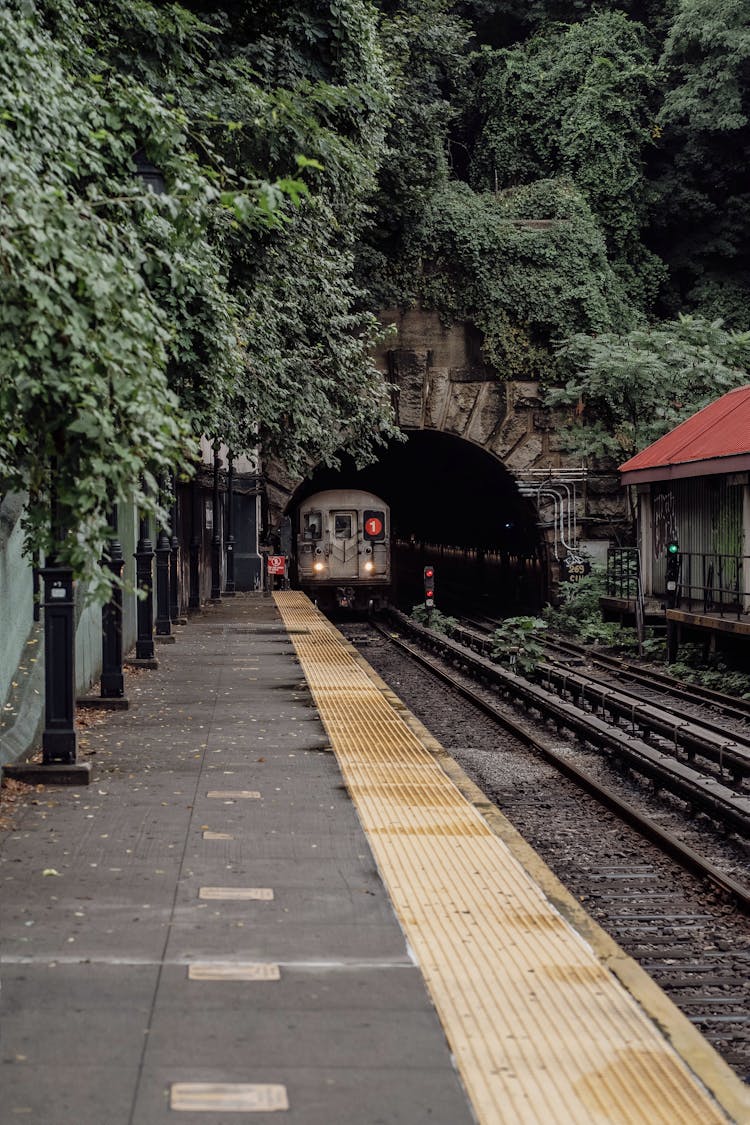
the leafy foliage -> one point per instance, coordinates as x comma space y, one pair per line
519, 642
627, 390
433, 619
134, 321
575, 101
526, 267
703, 203
713, 670
579, 613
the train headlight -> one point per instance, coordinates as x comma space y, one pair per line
369, 566
319, 567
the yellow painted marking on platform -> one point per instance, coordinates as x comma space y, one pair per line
233, 970
540, 1030
237, 894
217, 836
234, 794
227, 1097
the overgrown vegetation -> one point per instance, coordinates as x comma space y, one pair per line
433, 619
519, 643
133, 321
578, 614
711, 670
627, 390
571, 181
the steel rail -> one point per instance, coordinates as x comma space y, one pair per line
694, 735
686, 856
730, 706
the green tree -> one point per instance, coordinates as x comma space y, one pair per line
576, 101
133, 322
627, 390
526, 266
701, 215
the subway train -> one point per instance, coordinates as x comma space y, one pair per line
343, 549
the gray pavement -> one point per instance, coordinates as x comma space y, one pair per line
101, 912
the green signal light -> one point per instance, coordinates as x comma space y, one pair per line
673, 548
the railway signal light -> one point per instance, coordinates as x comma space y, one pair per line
429, 586
673, 566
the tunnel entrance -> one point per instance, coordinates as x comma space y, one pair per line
455, 506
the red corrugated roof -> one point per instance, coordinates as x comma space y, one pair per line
721, 429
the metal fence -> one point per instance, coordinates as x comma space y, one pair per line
713, 583
708, 582
623, 572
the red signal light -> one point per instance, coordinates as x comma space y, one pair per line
429, 586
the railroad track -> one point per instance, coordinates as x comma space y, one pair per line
729, 706
682, 930
727, 808
644, 738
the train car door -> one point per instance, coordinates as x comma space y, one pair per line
343, 559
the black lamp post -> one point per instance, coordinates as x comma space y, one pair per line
174, 561
196, 535
163, 559
153, 181
229, 588
112, 681
216, 537
59, 737
144, 553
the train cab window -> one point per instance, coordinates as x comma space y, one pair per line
313, 525
342, 527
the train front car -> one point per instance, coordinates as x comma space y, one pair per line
343, 549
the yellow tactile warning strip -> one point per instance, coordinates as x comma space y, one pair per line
540, 1030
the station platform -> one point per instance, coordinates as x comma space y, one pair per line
280, 896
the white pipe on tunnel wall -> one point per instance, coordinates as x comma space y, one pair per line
542, 483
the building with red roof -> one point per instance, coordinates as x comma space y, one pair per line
692, 490
715, 440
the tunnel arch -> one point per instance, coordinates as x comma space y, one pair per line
441, 488
451, 501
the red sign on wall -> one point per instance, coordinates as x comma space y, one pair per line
277, 564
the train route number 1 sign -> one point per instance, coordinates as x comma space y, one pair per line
277, 564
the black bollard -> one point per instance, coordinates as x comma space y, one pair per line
112, 683
229, 587
144, 553
59, 739
174, 562
163, 556
194, 598
216, 537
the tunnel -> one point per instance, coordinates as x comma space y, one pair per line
456, 507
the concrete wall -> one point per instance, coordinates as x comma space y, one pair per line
22, 640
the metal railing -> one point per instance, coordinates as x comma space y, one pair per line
716, 583
623, 572
624, 581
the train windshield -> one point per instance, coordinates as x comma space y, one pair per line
312, 527
342, 526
